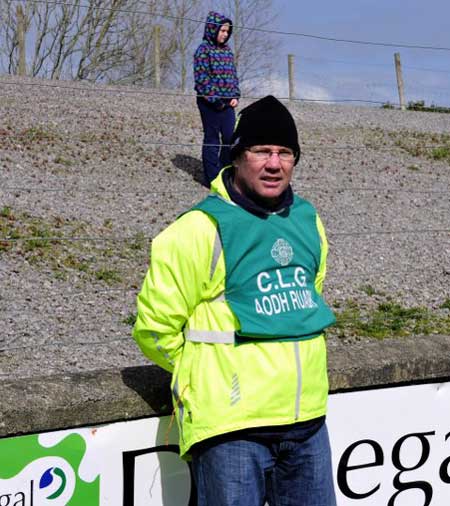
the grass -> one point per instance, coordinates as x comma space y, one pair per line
109, 276
37, 134
130, 319
46, 244
425, 145
419, 105
389, 319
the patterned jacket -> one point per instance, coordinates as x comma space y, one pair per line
214, 70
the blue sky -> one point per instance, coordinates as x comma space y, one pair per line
336, 70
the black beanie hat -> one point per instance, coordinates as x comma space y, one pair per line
266, 121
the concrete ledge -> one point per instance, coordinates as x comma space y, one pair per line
57, 402
389, 362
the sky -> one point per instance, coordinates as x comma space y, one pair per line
329, 70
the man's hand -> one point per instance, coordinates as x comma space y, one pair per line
234, 102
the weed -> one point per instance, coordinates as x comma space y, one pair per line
108, 223
109, 276
71, 261
6, 212
40, 237
130, 319
441, 153
445, 304
139, 242
368, 290
37, 134
63, 161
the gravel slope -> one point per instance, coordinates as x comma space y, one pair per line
112, 166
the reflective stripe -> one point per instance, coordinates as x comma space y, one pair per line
216, 253
210, 336
299, 379
180, 405
219, 298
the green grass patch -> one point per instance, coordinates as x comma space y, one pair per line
420, 105
388, 319
130, 319
431, 146
441, 153
37, 134
54, 244
109, 276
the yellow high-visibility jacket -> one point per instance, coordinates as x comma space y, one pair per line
185, 326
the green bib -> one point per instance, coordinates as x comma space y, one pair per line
271, 264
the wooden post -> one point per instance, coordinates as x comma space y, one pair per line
398, 71
21, 40
157, 56
291, 77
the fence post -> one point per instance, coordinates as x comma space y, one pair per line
398, 71
157, 56
291, 77
21, 40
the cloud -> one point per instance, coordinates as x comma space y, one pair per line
279, 87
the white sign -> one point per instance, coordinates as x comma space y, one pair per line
391, 447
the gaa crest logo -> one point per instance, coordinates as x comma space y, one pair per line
282, 252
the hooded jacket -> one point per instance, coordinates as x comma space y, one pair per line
215, 74
220, 387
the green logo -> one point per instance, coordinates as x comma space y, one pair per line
49, 476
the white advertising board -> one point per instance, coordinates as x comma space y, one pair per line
391, 447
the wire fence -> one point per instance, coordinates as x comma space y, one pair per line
143, 192
154, 14
441, 231
255, 29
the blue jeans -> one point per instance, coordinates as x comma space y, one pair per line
253, 470
218, 128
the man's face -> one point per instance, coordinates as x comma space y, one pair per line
223, 34
264, 172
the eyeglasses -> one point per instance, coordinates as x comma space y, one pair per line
263, 154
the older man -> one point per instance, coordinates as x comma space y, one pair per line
231, 306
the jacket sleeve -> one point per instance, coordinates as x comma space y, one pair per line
172, 288
236, 91
204, 85
320, 277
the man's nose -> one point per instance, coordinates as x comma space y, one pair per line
274, 160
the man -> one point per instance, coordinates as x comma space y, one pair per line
217, 87
231, 306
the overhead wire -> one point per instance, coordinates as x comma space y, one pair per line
140, 90
242, 27
140, 191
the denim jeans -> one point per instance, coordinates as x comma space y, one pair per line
218, 128
248, 471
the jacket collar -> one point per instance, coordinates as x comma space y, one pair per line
223, 185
